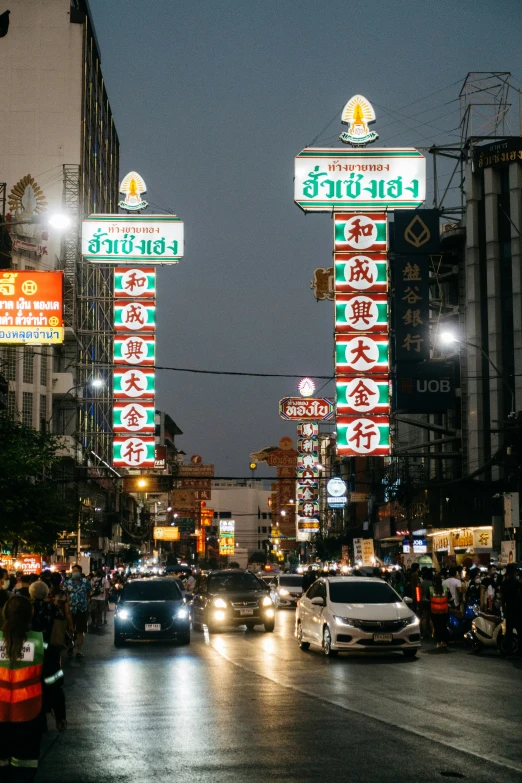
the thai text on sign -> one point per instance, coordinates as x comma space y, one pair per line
31, 307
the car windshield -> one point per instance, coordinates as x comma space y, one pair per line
376, 592
221, 583
291, 581
155, 590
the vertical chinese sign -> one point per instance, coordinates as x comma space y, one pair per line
134, 360
361, 334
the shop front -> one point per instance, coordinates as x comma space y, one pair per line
464, 546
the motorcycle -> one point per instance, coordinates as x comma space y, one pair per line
489, 631
459, 624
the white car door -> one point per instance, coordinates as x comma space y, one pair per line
316, 613
305, 610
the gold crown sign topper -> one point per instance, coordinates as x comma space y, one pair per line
133, 186
358, 114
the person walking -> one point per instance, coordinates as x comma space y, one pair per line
21, 669
49, 620
78, 590
425, 607
439, 610
97, 599
308, 578
454, 585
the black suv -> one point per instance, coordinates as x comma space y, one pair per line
232, 597
151, 609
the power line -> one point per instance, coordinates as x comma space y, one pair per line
246, 374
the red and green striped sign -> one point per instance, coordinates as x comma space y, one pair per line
135, 349
135, 416
357, 354
363, 436
361, 273
134, 452
356, 395
361, 313
134, 316
360, 233
134, 282
133, 383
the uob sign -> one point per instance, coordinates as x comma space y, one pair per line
424, 387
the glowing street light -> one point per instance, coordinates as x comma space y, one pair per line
60, 221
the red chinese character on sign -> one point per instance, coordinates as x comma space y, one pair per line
365, 432
133, 451
362, 394
361, 311
133, 417
134, 349
133, 281
134, 315
360, 352
132, 383
360, 271
357, 230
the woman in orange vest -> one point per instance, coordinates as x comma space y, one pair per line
21, 668
439, 609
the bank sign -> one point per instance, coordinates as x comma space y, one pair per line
351, 179
135, 239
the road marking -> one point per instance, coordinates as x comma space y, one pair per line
499, 762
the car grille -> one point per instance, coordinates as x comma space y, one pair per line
140, 622
383, 626
244, 604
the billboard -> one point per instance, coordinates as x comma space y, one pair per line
311, 408
135, 452
424, 387
227, 529
356, 395
31, 307
133, 239
135, 283
328, 179
363, 436
361, 272
134, 417
166, 533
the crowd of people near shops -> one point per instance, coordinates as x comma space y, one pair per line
42, 617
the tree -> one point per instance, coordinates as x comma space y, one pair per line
32, 505
257, 557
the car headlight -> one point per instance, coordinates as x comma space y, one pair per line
182, 614
283, 591
266, 601
347, 621
220, 604
412, 620
124, 614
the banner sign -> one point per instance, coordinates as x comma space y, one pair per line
411, 308
328, 179
134, 417
311, 408
27, 564
135, 349
31, 307
133, 383
416, 231
424, 387
360, 233
135, 239
166, 533
361, 354
363, 395
357, 436
498, 153
358, 313
227, 529
134, 316
361, 272
135, 283
137, 452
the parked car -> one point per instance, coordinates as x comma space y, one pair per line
286, 590
356, 613
231, 597
151, 609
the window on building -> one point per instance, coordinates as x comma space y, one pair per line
263, 529
43, 370
258, 529
264, 516
10, 364
28, 364
225, 515
43, 412
27, 409
11, 403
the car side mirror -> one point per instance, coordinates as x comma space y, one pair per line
407, 600
318, 601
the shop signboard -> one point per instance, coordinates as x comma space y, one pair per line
133, 383
424, 387
357, 550
135, 283
360, 233
511, 509
311, 408
411, 308
361, 354
357, 395
134, 416
27, 564
31, 307
136, 452
358, 436
368, 554
416, 231
507, 552
198, 471
361, 272
227, 529
135, 349
323, 283
361, 313
328, 179
132, 239
135, 316
483, 539
169, 533
207, 517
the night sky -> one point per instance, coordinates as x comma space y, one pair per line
212, 101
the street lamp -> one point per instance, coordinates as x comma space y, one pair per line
449, 337
61, 221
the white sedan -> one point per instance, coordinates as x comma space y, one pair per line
356, 613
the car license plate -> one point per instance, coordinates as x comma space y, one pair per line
383, 637
246, 612
153, 626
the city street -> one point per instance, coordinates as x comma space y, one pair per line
251, 706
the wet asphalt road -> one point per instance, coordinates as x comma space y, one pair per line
250, 706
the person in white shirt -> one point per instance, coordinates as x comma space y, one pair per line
454, 585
